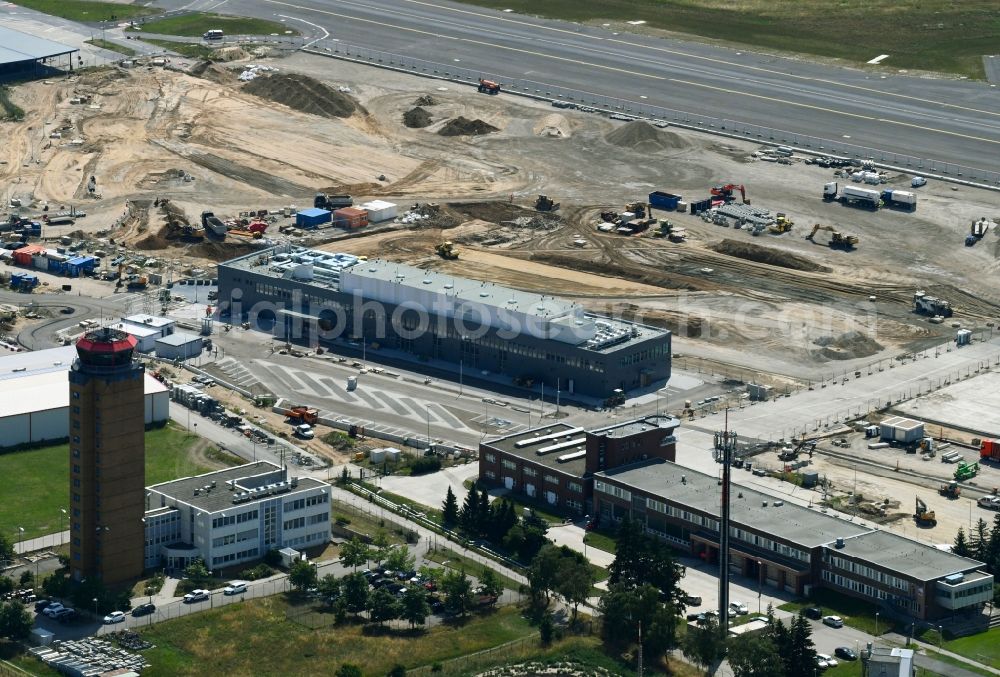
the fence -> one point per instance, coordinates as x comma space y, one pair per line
636, 109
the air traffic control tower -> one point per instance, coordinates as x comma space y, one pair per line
107, 458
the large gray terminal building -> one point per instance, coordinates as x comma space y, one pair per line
314, 297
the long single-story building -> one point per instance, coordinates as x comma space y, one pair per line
315, 297
24, 55
789, 546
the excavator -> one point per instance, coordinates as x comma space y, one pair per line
924, 516
838, 240
446, 250
725, 191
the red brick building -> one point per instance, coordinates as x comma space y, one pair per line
556, 463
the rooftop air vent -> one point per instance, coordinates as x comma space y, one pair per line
840, 543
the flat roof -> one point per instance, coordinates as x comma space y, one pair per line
49, 390
627, 428
137, 330
19, 365
556, 433
178, 339
16, 46
806, 527
902, 423
149, 320
221, 497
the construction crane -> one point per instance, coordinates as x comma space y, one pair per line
725, 191
838, 240
924, 516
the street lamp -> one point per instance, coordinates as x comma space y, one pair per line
95, 607
876, 624
62, 522
20, 538
760, 583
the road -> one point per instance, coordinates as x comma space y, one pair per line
949, 120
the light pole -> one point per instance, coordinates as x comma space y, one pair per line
760, 583
20, 539
876, 624
62, 522
95, 607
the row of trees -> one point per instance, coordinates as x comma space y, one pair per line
496, 522
981, 543
778, 651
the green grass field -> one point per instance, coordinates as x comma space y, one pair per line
936, 35
39, 484
88, 11
255, 638
113, 46
195, 24
984, 647
192, 50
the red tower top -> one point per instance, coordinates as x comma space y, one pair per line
106, 347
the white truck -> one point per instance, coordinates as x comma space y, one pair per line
900, 198
304, 431
865, 197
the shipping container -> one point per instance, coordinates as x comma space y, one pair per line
380, 210
350, 217
664, 200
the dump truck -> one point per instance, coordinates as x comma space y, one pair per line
489, 86
24, 282
303, 414
852, 195
923, 516
213, 225
966, 471
332, 202
989, 450
446, 250
930, 305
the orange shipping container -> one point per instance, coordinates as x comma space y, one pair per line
350, 217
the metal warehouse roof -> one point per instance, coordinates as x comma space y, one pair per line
41, 391
16, 46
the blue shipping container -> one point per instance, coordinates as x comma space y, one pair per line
312, 217
664, 200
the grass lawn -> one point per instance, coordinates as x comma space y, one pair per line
600, 541
957, 663
939, 35
459, 562
192, 50
195, 24
87, 11
113, 46
365, 523
255, 638
984, 647
42, 485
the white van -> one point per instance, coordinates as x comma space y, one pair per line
305, 431
214, 34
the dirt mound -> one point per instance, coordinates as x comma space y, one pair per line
848, 346
640, 133
305, 94
417, 118
234, 53
425, 100
462, 126
210, 71
771, 257
554, 125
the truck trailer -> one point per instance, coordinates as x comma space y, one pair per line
862, 197
989, 450
900, 198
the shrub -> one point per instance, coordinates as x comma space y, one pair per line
425, 465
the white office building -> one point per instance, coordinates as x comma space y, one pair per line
233, 516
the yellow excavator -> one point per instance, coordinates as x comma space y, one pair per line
446, 250
924, 517
838, 240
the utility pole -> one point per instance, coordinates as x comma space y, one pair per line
639, 666
726, 441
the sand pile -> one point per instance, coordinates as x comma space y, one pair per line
425, 100
771, 257
305, 94
554, 125
639, 133
417, 118
462, 126
848, 346
234, 53
209, 71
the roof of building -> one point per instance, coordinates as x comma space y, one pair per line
138, 330
179, 338
16, 46
220, 498
524, 444
898, 553
902, 423
41, 391
314, 211
24, 364
627, 428
149, 320
805, 527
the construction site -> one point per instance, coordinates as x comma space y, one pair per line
742, 250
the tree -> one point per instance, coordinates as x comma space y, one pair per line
382, 606
349, 670
197, 572
6, 549
546, 629
467, 517
15, 622
381, 547
329, 587
753, 655
397, 671
574, 579
979, 540
961, 545
503, 518
6, 585
617, 606
415, 608
302, 575
534, 529
27, 579
355, 592
458, 592
400, 559
449, 509
802, 656
542, 573
704, 645
641, 559
354, 553
993, 547
484, 514
490, 585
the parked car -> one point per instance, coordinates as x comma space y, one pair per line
66, 616
693, 617
833, 621
114, 617
813, 612
304, 431
739, 607
52, 609
144, 609
235, 588
692, 600
41, 604
196, 596
845, 652
918, 181
821, 664
831, 662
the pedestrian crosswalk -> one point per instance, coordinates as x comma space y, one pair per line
237, 373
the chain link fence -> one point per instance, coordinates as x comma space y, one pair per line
629, 109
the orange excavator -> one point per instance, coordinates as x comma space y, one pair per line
725, 191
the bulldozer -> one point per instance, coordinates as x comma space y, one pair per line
951, 490
544, 204
446, 250
782, 224
923, 516
838, 240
